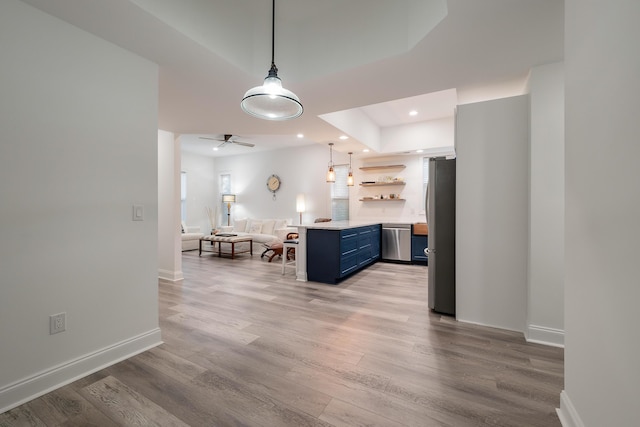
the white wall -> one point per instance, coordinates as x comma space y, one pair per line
169, 230
78, 148
492, 212
410, 210
545, 301
202, 189
602, 342
301, 170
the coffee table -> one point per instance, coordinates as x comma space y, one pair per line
230, 239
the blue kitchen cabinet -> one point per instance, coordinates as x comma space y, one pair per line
334, 254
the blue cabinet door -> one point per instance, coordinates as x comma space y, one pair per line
418, 244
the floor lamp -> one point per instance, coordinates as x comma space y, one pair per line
228, 199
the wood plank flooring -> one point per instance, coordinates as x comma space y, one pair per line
246, 346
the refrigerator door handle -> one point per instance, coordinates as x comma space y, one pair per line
427, 204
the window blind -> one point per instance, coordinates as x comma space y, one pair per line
340, 194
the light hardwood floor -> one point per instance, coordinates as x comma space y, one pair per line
246, 346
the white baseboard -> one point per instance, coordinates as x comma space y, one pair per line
172, 276
489, 325
41, 383
567, 413
543, 335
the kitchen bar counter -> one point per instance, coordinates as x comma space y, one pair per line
329, 251
337, 225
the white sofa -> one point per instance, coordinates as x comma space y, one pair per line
190, 237
261, 230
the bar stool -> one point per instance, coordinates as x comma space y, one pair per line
289, 247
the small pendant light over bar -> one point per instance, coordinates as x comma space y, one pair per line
350, 176
271, 101
331, 174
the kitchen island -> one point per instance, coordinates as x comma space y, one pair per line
330, 251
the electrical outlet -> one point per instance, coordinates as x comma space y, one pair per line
57, 323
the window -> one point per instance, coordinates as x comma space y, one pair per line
225, 188
225, 183
340, 194
183, 196
425, 176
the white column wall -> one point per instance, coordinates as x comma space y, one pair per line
78, 149
545, 301
602, 289
169, 230
492, 209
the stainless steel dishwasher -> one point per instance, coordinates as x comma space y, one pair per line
396, 242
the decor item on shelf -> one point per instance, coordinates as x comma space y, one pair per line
228, 199
350, 176
300, 206
331, 174
271, 101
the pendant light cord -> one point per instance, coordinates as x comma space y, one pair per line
273, 33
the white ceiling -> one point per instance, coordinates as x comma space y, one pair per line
374, 58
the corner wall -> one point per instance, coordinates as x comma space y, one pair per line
602, 345
545, 299
78, 149
492, 209
169, 231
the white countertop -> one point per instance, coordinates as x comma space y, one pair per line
337, 225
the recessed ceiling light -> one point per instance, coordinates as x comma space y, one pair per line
413, 113
343, 137
366, 150
215, 148
419, 151
300, 135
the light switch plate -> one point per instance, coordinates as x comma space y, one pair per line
138, 213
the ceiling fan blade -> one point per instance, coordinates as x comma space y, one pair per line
246, 144
209, 138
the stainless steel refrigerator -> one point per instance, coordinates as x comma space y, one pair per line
441, 219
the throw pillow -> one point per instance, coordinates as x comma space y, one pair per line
280, 223
267, 226
240, 225
256, 227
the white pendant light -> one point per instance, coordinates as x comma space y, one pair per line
331, 174
271, 101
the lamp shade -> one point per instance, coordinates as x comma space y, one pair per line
229, 198
300, 205
271, 101
331, 175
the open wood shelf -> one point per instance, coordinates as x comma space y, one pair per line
382, 200
380, 184
372, 168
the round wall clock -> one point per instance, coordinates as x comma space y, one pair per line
273, 184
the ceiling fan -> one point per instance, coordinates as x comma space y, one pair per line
228, 140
